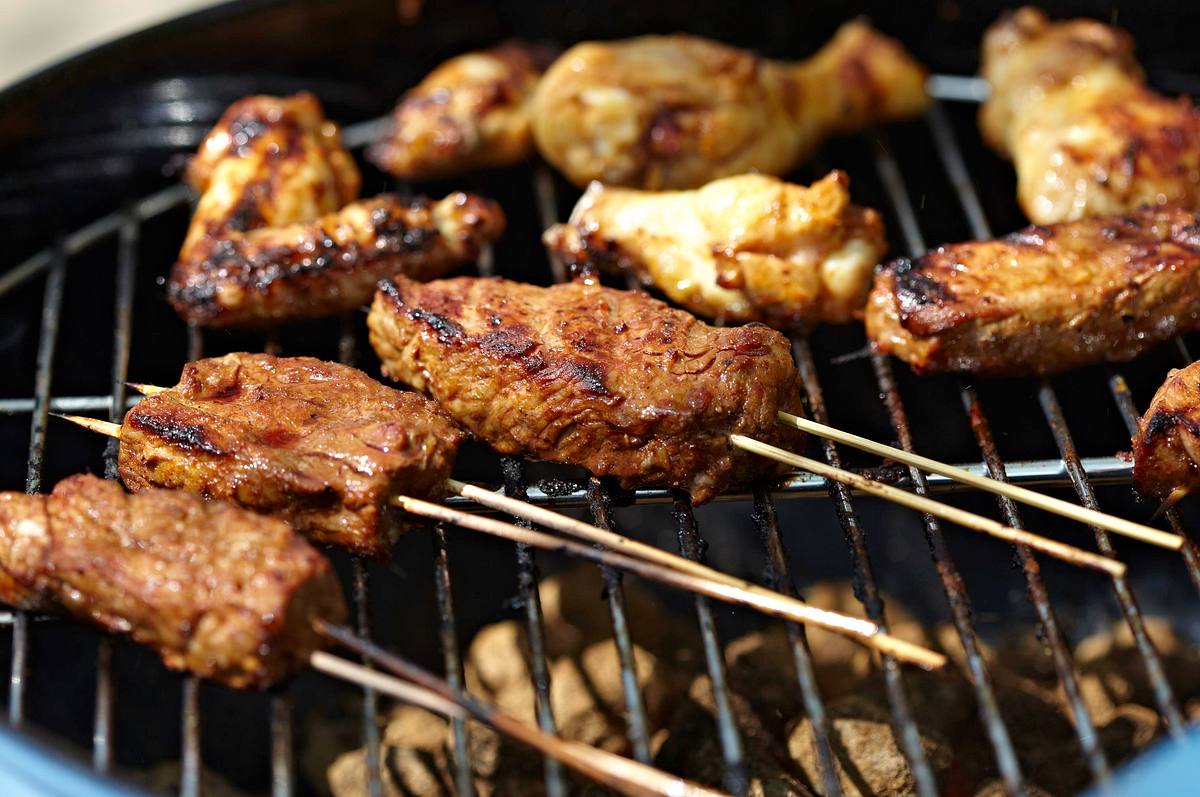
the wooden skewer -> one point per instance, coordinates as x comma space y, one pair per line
1058, 506
609, 769
1068, 553
94, 424
722, 587
147, 390
673, 570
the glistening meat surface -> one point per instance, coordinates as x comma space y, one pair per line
613, 381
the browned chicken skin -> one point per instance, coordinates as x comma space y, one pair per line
1070, 107
613, 381
215, 590
472, 112
679, 111
1044, 299
321, 445
1166, 449
273, 239
746, 248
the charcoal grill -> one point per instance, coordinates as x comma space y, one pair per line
67, 166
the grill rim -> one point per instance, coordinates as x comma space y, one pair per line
54, 261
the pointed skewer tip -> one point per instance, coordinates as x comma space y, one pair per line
92, 424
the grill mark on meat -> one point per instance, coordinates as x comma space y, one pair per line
1165, 421
185, 436
916, 289
448, 332
507, 343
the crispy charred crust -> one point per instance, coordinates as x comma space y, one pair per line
1166, 447
330, 265
469, 113
1043, 299
216, 591
613, 381
319, 444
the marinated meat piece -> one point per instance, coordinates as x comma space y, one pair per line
1166, 449
614, 381
321, 445
472, 112
1044, 299
215, 590
273, 239
1070, 107
679, 111
330, 265
748, 248
269, 162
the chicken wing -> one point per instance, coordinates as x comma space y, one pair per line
273, 238
748, 248
679, 111
613, 381
1044, 299
472, 112
1166, 449
1070, 108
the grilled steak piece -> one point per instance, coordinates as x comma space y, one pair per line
215, 590
1166, 449
329, 265
273, 238
614, 381
472, 112
321, 445
745, 248
1044, 299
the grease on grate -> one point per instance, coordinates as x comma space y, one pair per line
778, 738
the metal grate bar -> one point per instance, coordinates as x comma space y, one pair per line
779, 579
635, 707
190, 761
370, 704
599, 503
127, 244
531, 602
281, 744
865, 587
190, 764
736, 776
952, 583
1164, 696
1124, 400
452, 660
51, 311
1168, 707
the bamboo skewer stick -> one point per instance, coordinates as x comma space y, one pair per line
147, 390
1067, 553
725, 588
1083, 514
422, 689
655, 564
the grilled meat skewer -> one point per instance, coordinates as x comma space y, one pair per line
613, 381
1166, 449
1044, 299
321, 445
276, 236
746, 248
678, 111
1070, 107
218, 591
472, 112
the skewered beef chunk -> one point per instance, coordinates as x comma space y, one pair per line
215, 590
614, 381
322, 445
